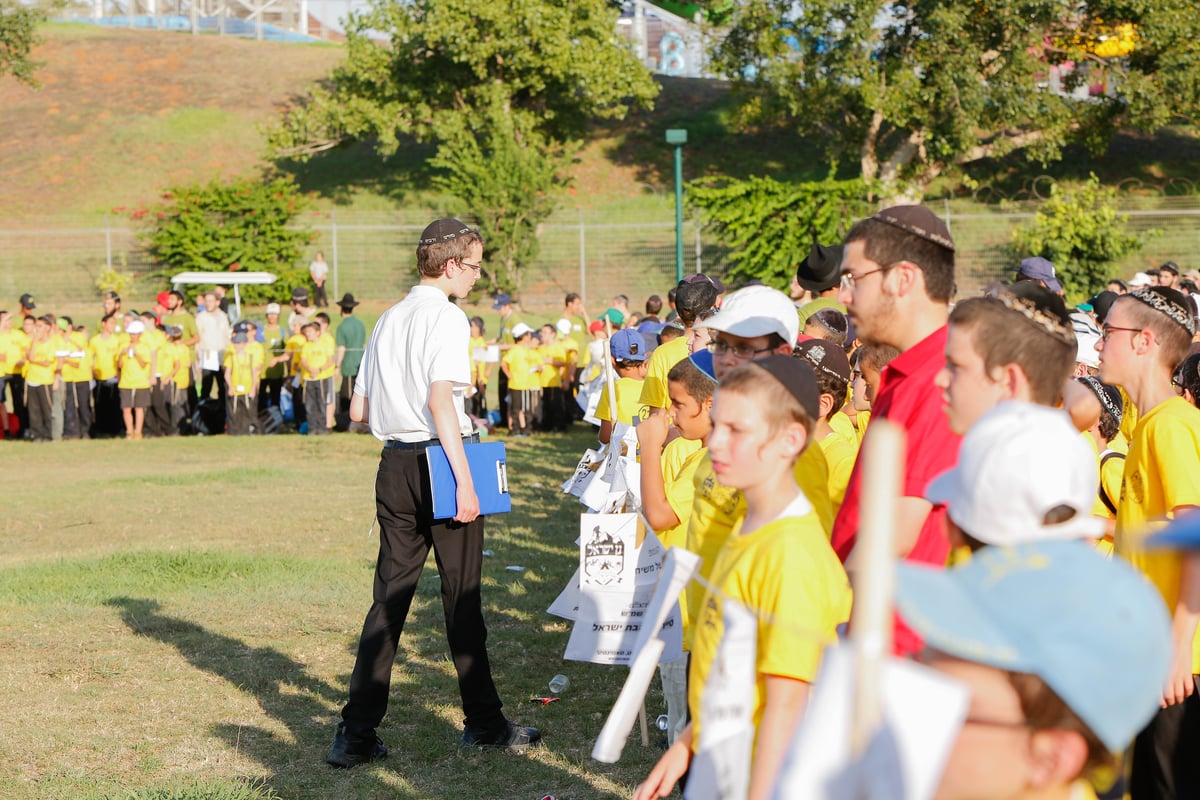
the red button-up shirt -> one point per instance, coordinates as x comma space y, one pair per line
908, 398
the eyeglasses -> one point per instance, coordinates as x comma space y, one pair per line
476, 267
1109, 330
849, 279
741, 352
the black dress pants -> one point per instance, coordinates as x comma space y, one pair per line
406, 532
1166, 764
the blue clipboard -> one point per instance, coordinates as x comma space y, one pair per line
486, 461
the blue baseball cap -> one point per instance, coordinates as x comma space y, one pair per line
628, 345
1182, 534
1093, 629
503, 299
1040, 269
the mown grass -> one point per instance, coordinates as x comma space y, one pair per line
178, 620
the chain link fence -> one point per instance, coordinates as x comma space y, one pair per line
59, 259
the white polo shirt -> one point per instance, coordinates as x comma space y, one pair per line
422, 339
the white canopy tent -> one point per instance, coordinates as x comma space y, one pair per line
234, 279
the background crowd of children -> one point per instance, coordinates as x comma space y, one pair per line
167, 371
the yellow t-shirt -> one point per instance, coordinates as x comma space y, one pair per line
680, 459
104, 351
716, 509
478, 368
37, 371
20, 340
629, 402
787, 574
839, 456
294, 344
843, 426
242, 365
164, 360
1111, 473
524, 368
77, 365
1160, 475
315, 359
133, 374
811, 472
183, 357
10, 352
1129, 415
861, 420
553, 357
665, 356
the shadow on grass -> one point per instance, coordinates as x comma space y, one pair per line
283, 688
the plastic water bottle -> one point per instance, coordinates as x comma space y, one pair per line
559, 684
661, 722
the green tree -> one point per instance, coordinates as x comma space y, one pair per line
1081, 232
914, 88
247, 224
18, 35
770, 226
514, 81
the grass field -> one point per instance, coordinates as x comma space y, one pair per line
178, 620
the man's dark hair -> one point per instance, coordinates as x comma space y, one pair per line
653, 305
886, 244
571, 298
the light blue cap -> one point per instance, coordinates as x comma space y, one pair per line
1182, 534
1093, 629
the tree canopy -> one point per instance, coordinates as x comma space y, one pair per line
505, 89
18, 35
914, 88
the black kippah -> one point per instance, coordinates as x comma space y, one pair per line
797, 377
443, 230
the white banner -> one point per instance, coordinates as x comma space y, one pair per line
720, 768
613, 589
922, 713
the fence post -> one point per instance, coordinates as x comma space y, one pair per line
696, 222
582, 260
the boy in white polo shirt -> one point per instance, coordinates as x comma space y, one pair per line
410, 391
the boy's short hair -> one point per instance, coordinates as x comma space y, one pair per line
913, 234
1028, 325
693, 380
875, 357
321, 315
786, 388
308, 325
693, 298
1187, 376
441, 241
653, 304
1168, 314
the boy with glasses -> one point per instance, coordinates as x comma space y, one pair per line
1146, 335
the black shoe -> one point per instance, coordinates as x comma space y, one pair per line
350, 751
512, 738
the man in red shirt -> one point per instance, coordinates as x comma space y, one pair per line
897, 281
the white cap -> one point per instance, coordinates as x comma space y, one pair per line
1140, 279
520, 329
1086, 354
272, 308
563, 326
756, 311
1016, 463
137, 326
